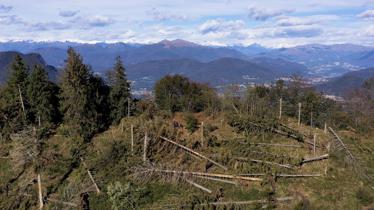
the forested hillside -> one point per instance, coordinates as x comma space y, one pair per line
87, 143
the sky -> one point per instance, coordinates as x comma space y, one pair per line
272, 23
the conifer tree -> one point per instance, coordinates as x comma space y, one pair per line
76, 99
14, 105
120, 92
41, 96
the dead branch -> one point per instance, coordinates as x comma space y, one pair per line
283, 199
342, 144
265, 162
285, 175
194, 153
62, 202
218, 180
90, 175
278, 145
188, 173
322, 157
198, 186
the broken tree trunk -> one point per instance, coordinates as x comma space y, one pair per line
284, 199
41, 203
322, 157
278, 145
21, 100
91, 177
188, 173
285, 175
342, 144
198, 186
218, 180
194, 153
266, 162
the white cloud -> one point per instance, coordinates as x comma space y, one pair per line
156, 14
368, 14
92, 21
308, 20
5, 8
68, 13
262, 14
220, 25
369, 31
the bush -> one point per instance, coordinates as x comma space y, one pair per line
125, 196
364, 196
191, 123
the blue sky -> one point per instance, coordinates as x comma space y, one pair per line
280, 23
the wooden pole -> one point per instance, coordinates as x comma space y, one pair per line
41, 203
311, 119
39, 121
280, 108
325, 130
314, 144
122, 128
194, 153
132, 139
128, 107
299, 116
202, 133
145, 147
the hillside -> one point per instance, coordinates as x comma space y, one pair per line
219, 72
6, 59
119, 171
347, 82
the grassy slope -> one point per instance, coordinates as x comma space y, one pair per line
110, 160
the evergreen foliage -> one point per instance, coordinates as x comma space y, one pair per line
42, 98
11, 108
191, 123
120, 91
79, 96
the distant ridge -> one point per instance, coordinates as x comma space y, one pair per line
349, 81
31, 59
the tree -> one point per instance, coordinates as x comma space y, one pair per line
120, 91
42, 100
13, 100
178, 93
76, 96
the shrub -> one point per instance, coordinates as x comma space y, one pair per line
364, 196
191, 123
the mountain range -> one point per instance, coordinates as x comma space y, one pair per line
218, 66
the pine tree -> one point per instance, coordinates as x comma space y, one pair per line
14, 106
76, 99
41, 96
120, 92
